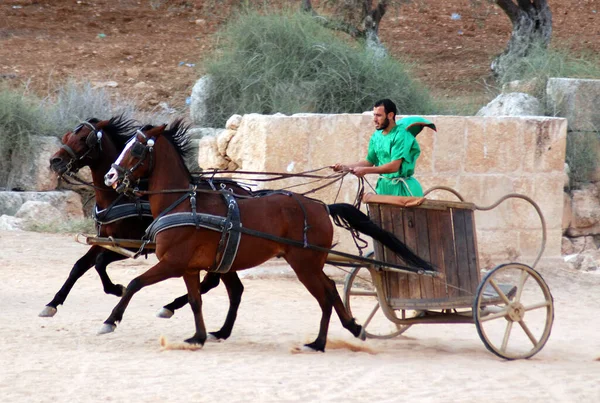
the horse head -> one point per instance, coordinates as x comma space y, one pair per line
136, 160
84, 145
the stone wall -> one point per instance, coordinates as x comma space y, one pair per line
482, 158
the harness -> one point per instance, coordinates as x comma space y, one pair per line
229, 227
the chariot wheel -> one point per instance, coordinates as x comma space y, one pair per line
360, 299
513, 311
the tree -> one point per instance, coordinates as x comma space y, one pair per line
532, 26
359, 18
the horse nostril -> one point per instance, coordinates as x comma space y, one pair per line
55, 160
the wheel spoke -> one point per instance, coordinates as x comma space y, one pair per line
499, 291
506, 336
363, 293
528, 333
524, 276
373, 312
537, 306
495, 315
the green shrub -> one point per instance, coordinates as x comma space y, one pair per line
581, 156
20, 118
72, 226
544, 63
290, 63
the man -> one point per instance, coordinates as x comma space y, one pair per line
393, 152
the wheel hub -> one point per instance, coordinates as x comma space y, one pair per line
516, 312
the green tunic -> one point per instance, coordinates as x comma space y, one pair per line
399, 143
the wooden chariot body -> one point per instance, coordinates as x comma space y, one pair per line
441, 232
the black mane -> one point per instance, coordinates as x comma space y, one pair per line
177, 134
119, 129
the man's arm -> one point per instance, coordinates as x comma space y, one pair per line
388, 168
350, 167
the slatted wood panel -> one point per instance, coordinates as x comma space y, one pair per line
441, 233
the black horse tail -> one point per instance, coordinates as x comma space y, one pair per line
347, 216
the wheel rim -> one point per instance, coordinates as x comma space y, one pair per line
360, 299
513, 311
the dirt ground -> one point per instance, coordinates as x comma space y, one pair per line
148, 47
62, 358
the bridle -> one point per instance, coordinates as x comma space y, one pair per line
140, 151
93, 139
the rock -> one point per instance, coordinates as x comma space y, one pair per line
198, 105
223, 139
531, 87
39, 212
200, 132
586, 261
208, 154
34, 173
578, 100
67, 202
513, 104
105, 84
567, 212
566, 177
10, 223
233, 122
586, 214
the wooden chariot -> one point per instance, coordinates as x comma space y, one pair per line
511, 305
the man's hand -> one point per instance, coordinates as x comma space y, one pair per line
340, 167
360, 171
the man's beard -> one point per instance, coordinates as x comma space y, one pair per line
384, 125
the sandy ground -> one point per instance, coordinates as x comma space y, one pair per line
62, 359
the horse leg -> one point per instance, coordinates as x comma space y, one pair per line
192, 282
157, 273
210, 281
235, 288
79, 268
317, 283
103, 260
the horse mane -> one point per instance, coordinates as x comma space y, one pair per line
177, 134
119, 129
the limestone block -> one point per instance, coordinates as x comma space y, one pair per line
33, 173
512, 104
223, 139
450, 146
248, 147
566, 247
544, 145
493, 145
199, 132
233, 122
578, 100
10, 202
496, 247
530, 242
208, 154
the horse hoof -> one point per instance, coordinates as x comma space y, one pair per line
165, 313
47, 312
196, 341
211, 338
107, 328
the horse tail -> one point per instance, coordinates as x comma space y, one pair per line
347, 216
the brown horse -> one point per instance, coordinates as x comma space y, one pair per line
96, 144
279, 224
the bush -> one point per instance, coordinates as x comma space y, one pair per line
581, 156
544, 63
290, 63
20, 117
